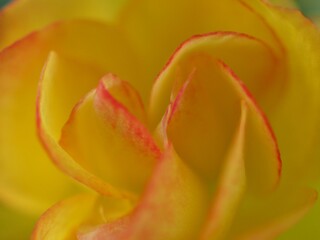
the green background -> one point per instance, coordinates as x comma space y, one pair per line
3, 2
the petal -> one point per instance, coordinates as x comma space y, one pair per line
48, 110
21, 17
300, 100
204, 118
23, 162
237, 50
61, 75
173, 206
63, 219
71, 217
156, 28
91, 44
231, 186
105, 138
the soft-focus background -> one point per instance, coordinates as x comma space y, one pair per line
310, 7
3, 2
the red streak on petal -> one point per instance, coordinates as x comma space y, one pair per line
134, 126
177, 100
208, 35
261, 113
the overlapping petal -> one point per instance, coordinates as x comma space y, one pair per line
235, 49
20, 17
207, 108
299, 102
103, 136
147, 21
278, 27
218, 137
99, 46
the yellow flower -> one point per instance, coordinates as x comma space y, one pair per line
182, 119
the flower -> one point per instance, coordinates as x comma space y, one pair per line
182, 119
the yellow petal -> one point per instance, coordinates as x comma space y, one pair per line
207, 108
231, 186
64, 82
172, 207
299, 108
24, 16
63, 219
156, 28
237, 50
48, 110
23, 161
105, 138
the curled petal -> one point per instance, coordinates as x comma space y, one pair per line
147, 21
236, 50
300, 98
86, 113
19, 79
207, 109
104, 137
